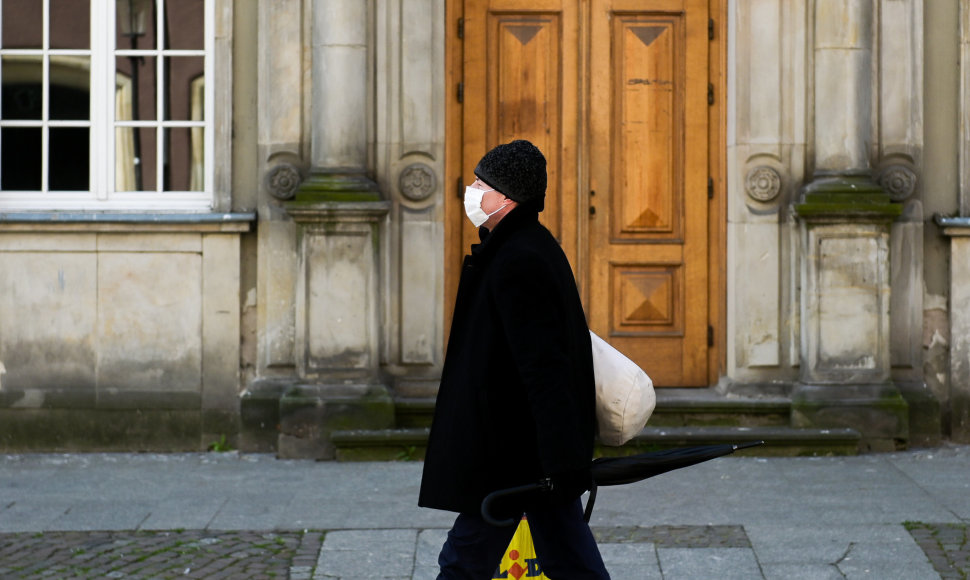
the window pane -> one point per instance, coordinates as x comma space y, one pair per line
182, 73
184, 160
185, 23
22, 95
70, 92
136, 88
70, 24
68, 160
135, 28
23, 22
20, 158
135, 159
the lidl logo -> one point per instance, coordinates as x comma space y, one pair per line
517, 570
520, 560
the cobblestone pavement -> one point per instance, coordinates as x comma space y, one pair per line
295, 555
946, 547
175, 554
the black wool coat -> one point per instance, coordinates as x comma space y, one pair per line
516, 401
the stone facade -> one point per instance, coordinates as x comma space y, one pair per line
321, 298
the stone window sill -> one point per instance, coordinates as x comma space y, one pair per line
55, 222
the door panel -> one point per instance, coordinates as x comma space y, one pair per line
648, 168
627, 146
647, 96
524, 88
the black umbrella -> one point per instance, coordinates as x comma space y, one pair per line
623, 470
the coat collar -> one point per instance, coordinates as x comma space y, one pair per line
515, 220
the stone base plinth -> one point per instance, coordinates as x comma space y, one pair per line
878, 412
308, 414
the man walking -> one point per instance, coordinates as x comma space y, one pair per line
516, 404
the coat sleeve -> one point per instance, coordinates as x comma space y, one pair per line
542, 333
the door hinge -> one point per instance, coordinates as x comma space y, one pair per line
461, 92
710, 94
461, 28
710, 29
460, 190
710, 188
710, 335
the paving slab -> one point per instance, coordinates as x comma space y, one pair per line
348, 554
796, 542
721, 563
632, 561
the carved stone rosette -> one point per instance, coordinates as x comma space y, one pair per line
898, 180
763, 183
283, 180
417, 182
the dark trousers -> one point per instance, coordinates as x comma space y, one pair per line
564, 545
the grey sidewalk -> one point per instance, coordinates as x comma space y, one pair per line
902, 515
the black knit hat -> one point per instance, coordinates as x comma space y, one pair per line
517, 170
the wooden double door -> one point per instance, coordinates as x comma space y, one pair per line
616, 93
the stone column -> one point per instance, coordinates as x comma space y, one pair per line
845, 224
341, 104
843, 61
341, 220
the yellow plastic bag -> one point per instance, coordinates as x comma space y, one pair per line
520, 559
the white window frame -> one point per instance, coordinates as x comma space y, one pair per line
103, 194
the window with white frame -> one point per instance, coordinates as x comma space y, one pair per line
105, 105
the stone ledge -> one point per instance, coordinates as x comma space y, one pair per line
56, 221
953, 226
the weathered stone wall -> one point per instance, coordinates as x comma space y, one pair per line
118, 339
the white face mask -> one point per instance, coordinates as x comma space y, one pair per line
473, 206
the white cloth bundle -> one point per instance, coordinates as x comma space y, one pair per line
624, 394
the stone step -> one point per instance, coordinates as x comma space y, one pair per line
675, 408
706, 407
409, 444
380, 444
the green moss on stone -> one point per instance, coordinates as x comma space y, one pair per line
846, 196
324, 187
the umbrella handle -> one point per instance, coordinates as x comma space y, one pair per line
544, 485
588, 513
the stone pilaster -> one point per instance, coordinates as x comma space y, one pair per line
766, 160
958, 230
411, 97
845, 220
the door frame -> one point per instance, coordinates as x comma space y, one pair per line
717, 165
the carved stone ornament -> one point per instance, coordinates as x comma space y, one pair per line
417, 181
899, 181
283, 180
763, 183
